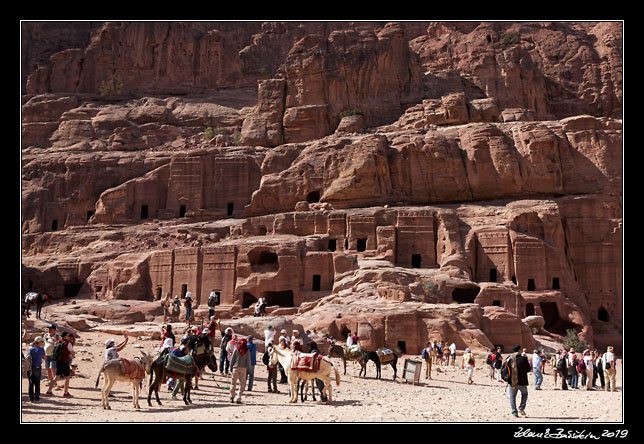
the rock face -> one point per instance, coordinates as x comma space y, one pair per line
408, 181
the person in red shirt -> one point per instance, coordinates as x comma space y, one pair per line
63, 365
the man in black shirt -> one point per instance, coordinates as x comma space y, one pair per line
520, 367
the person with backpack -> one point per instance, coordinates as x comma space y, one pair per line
490, 361
515, 372
62, 352
426, 354
469, 362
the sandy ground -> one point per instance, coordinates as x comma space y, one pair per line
446, 398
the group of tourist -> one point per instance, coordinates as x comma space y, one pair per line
237, 359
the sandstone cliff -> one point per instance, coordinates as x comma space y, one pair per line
409, 181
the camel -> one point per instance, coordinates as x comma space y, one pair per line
285, 358
360, 357
125, 370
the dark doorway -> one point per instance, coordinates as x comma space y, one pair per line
602, 314
144, 211
496, 303
229, 209
90, 213
317, 279
313, 196
529, 310
158, 295
415, 260
492, 274
332, 245
262, 261
514, 279
184, 290
531, 286
54, 225
465, 295
402, 346
248, 299
281, 298
361, 245
182, 210
555, 283
261, 231
72, 290
554, 323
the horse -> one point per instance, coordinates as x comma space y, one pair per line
37, 299
158, 372
360, 357
285, 358
126, 370
375, 357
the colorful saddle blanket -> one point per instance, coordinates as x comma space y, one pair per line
133, 369
181, 365
385, 355
308, 362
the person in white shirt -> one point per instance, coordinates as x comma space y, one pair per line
287, 339
349, 340
111, 350
269, 335
609, 369
588, 363
452, 351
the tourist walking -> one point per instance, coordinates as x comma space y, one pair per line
269, 335
212, 303
37, 354
165, 303
609, 369
452, 351
562, 368
62, 365
468, 362
519, 369
176, 307
573, 372
239, 364
272, 371
490, 362
537, 369
498, 363
188, 304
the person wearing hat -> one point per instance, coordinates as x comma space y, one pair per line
609, 362
37, 353
111, 350
50, 338
469, 362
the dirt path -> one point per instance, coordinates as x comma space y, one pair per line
446, 398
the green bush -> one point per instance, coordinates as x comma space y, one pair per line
572, 340
350, 112
209, 133
510, 38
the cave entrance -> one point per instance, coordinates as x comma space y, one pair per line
144, 211
281, 298
416, 260
553, 323
263, 261
317, 280
313, 197
361, 245
248, 299
465, 295
182, 211
492, 274
529, 310
332, 245
602, 314
72, 290
402, 346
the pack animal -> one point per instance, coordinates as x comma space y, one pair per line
379, 361
125, 370
354, 353
37, 299
285, 358
158, 373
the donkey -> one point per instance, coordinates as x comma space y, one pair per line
360, 356
158, 372
37, 299
126, 370
373, 356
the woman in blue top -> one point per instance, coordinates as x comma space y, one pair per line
37, 352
